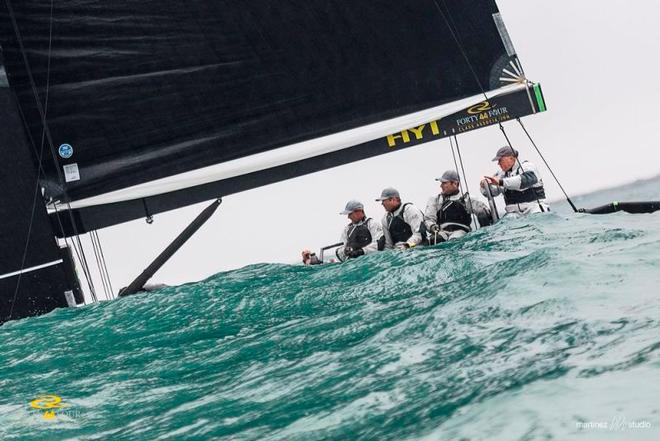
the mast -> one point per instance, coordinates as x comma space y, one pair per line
36, 275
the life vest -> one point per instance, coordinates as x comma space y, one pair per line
453, 215
532, 194
359, 236
400, 230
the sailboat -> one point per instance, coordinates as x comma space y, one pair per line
115, 111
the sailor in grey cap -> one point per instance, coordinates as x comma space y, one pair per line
448, 215
403, 224
519, 182
362, 235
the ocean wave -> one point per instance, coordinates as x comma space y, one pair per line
500, 335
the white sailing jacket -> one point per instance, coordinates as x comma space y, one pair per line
413, 216
522, 177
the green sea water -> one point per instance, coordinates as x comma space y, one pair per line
543, 328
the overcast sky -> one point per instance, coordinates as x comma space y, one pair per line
597, 63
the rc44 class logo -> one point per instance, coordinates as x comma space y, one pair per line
478, 108
50, 404
66, 151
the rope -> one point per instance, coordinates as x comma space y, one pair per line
568, 199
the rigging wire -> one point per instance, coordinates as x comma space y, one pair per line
105, 265
454, 32
454, 35
98, 264
460, 188
82, 258
467, 190
568, 199
100, 261
40, 156
451, 144
41, 172
25, 249
508, 142
86, 270
450, 24
46, 135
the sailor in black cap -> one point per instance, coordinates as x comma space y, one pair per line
519, 182
449, 214
362, 236
403, 224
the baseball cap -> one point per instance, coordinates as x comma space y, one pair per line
505, 151
387, 193
449, 175
351, 206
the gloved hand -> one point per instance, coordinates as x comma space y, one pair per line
355, 253
310, 258
434, 229
402, 245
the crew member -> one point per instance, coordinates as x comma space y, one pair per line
310, 258
449, 215
403, 224
362, 235
519, 182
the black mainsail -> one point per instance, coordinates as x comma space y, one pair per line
156, 105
